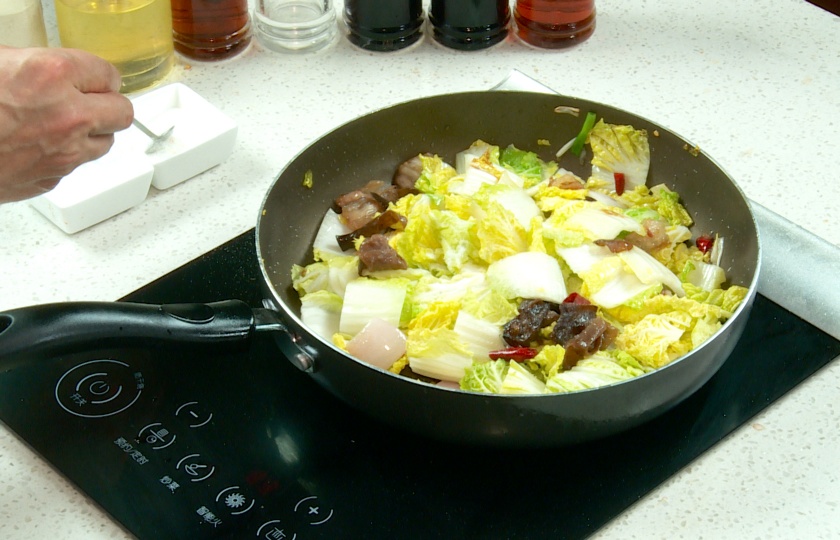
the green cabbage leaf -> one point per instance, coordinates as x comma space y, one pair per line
485, 377
526, 165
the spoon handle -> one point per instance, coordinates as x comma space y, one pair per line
144, 129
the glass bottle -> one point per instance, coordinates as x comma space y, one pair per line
210, 29
22, 24
554, 24
134, 35
469, 24
384, 26
295, 25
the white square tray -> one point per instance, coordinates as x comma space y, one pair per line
202, 138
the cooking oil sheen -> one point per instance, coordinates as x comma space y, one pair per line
134, 35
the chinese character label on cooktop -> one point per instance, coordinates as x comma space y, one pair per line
99, 388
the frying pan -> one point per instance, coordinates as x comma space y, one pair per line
369, 148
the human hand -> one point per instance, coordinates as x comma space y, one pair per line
59, 108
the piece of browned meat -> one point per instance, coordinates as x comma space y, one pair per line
616, 245
376, 254
655, 236
565, 181
384, 222
525, 327
597, 335
407, 174
359, 206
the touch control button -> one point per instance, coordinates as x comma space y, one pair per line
157, 436
98, 388
194, 415
273, 530
196, 468
315, 515
234, 501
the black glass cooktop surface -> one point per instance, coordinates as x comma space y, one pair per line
194, 444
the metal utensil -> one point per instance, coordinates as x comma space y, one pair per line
157, 140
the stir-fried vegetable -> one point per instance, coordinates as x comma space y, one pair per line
580, 140
508, 274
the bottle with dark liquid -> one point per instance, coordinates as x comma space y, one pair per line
469, 25
554, 24
210, 29
384, 26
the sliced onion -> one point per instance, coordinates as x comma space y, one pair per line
717, 251
604, 199
331, 226
567, 109
565, 148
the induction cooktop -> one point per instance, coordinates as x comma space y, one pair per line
203, 443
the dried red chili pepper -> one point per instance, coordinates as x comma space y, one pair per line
619, 182
575, 298
704, 243
519, 354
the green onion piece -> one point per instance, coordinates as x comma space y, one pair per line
580, 140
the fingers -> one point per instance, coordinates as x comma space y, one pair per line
59, 108
91, 148
62, 161
92, 74
45, 185
19, 192
98, 82
108, 112
46, 173
99, 146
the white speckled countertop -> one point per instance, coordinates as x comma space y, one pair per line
754, 83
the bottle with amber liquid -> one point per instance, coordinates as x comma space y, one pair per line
210, 29
554, 24
133, 35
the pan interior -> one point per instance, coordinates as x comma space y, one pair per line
371, 147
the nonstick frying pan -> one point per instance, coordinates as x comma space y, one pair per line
369, 148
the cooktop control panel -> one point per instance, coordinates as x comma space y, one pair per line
177, 439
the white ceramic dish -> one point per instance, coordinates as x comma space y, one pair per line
203, 136
99, 189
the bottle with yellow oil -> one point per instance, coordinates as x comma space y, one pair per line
134, 35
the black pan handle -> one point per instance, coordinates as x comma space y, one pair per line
62, 328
